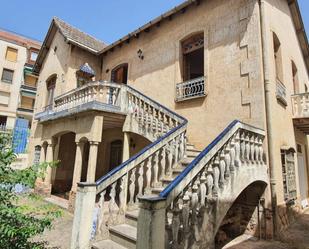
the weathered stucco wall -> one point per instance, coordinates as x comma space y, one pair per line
279, 21
232, 53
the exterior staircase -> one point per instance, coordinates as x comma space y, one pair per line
124, 235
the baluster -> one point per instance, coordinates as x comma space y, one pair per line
146, 116
162, 163
112, 204
132, 187
242, 147
140, 181
156, 119
185, 218
256, 149
203, 189
222, 168
227, 160
247, 149
216, 175
209, 181
252, 149
232, 155
237, 149
176, 143
101, 229
155, 160
148, 175
122, 199
175, 223
169, 160
261, 151
181, 146
194, 203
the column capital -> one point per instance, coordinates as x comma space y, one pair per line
94, 143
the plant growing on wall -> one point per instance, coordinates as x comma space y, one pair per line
18, 223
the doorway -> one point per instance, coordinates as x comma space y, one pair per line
115, 157
302, 175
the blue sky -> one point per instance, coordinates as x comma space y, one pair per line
106, 20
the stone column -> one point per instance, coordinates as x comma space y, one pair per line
76, 174
42, 154
49, 158
126, 147
151, 223
83, 217
92, 163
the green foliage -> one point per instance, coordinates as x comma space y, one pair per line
18, 223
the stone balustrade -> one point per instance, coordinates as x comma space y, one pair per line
300, 105
103, 92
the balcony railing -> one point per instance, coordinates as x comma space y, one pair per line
300, 105
281, 92
105, 94
190, 89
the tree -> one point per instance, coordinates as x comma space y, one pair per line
17, 224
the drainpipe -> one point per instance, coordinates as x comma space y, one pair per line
268, 97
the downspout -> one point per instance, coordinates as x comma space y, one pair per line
269, 128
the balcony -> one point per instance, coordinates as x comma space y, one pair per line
300, 108
190, 89
99, 96
281, 93
29, 88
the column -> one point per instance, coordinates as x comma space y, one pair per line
151, 223
92, 163
49, 158
42, 154
126, 146
78, 165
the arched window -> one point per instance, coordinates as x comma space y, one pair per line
295, 78
120, 74
50, 84
278, 58
193, 57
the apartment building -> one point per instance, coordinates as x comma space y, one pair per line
191, 126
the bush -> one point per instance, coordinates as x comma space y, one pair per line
17, 223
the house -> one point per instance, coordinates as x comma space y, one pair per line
192, 126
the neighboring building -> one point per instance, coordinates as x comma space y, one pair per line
18, 81
211, 62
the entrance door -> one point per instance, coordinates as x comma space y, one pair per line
302, 175
115, 154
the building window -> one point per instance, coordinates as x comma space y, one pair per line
11, 54
193, 57
7, 75
278, 58
33, 56
3, 120
4, 98
120, 74
288, 174
295, 78
51, 85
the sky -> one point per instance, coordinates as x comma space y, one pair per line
103, 19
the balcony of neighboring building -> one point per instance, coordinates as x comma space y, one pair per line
300, 105
30, 80
26, 105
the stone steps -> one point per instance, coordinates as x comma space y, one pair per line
124, 235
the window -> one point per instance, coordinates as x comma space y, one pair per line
278, 58
27, 103
33, 56
193, 57
288, 174
120, 74
30, 80
50, 84
7, 75
3, 120
4, 98
295, 78
11, 54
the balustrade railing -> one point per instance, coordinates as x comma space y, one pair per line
194, 88
238, 146
281, 92
300, 105
103, 92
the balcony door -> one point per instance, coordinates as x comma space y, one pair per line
115, 158
120, 74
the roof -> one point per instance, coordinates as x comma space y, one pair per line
300, 30
72, 35
19, 39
